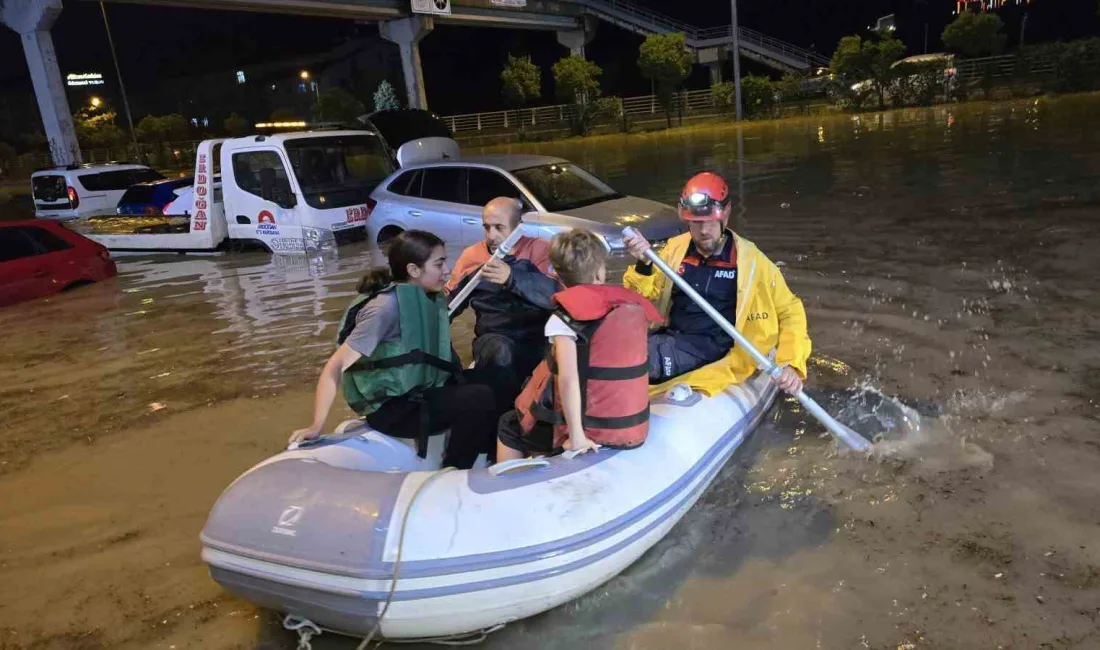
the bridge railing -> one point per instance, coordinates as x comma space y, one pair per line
642, 14
762, 41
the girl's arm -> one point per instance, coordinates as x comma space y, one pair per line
327, 386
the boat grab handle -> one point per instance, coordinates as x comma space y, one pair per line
517, 463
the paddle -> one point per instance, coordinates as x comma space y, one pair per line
502, 250
770, 368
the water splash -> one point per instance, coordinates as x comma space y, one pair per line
877, 416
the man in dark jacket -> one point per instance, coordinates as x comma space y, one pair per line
512, 302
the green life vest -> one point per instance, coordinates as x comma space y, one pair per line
421, 358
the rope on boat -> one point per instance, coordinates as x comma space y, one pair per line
397, 560
305, 628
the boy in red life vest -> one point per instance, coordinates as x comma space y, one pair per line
593, 388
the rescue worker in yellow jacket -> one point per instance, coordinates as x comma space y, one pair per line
738, 280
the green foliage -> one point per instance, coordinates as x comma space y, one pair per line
1076, 64
610, 109
337, 105
164, 128
975, 34
521, 80
385, 98
723, 96
866, 63
665, 60
236, 126
757, 95
917, 84
97, 130
575, 79
793, 87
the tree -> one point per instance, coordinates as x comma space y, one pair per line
385, 99
338, 105
575, 81
521, 81
148, 129
723, 95
864, 66
757, 95
665, 60
96, 127
236, 126
917, 83
793, 87
975, 34
175, 127
162, 129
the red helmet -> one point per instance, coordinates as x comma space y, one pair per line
706, 197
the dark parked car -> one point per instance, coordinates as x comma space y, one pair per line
150, 198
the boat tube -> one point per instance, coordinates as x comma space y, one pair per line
319, 532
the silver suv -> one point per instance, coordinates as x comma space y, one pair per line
446, 197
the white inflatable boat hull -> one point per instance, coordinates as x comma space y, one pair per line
314, 532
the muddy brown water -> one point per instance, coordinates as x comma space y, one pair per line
946, 255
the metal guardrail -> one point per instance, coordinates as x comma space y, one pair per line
1006, 65
163, 156
690, 101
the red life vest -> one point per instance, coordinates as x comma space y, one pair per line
612, 325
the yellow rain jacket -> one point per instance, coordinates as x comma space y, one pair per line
768, 314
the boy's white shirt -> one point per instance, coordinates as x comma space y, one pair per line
555, 326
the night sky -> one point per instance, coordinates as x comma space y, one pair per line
462, 65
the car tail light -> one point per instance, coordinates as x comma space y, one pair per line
74, 198
104, 254
370, 205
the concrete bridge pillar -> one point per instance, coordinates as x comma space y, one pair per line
407, 32
715, 72
32, 20
576, 39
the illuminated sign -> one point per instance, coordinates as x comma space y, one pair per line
84, 79
431, 7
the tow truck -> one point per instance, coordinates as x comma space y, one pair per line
285, 193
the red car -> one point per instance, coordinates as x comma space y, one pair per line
40, 257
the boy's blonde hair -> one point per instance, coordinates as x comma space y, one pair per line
577, 256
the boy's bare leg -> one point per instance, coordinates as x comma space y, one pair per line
504, 452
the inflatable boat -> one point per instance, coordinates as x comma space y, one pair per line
359, 535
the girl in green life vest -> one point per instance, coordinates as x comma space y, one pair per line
395, 365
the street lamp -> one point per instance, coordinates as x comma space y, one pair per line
304, 76
96, 102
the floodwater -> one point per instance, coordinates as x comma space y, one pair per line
945, 256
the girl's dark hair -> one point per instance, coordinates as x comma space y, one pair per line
410, 247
